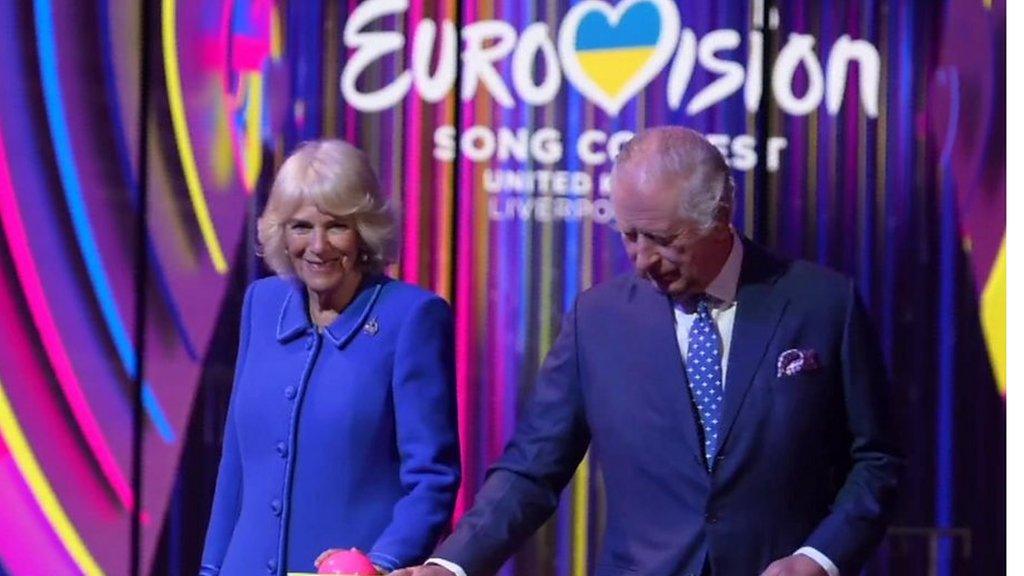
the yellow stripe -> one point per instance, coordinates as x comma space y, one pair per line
581, 483
188, 162
223, 145
253, 130
581, 516
612, 69
331, 69
993, 316
275, 33
445, 234
40, 488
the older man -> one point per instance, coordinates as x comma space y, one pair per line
734, 399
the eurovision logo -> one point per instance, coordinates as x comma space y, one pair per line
611, 53
608, 52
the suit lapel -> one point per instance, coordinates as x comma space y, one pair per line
760, 305
657, 336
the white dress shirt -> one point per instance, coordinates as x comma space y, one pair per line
723, 289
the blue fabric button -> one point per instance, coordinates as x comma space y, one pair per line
275, 506
309, 342
289, 392
282, 449
271, 566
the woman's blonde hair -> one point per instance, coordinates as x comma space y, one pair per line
337, 177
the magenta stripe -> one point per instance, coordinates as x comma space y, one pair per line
413, 184
464, 318
42, 317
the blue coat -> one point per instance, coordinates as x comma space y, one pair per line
805, 459
336, 439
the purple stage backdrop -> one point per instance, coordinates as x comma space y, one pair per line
137, 143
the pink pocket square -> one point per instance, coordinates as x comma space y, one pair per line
795, 361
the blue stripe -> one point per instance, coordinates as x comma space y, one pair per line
241, 23
949, 250
639, 27
865, 266
46, 40
574, 116
305, 63
511, 231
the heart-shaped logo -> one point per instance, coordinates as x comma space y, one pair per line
611, 53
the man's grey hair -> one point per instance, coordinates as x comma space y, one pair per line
684, 156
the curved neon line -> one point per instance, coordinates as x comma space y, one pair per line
42, 492
253, 142
250, 93
184, 141
993, 316
276, 46
32, 286
128, 170
249, 162
66, 167
232, 98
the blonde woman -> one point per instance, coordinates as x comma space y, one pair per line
341, 430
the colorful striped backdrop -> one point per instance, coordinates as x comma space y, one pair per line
891, 169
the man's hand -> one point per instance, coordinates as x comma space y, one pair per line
795, 565
427, 570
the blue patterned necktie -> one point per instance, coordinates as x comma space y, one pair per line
704, 370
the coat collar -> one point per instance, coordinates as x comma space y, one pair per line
293, 320
760, 305
655, 335
723, 287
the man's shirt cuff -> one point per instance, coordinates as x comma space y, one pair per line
455, 568
815, 555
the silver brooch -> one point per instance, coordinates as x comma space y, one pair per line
371, 327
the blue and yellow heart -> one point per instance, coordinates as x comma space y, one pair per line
610, 54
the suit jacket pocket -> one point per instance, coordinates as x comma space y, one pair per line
803, 409
805, 384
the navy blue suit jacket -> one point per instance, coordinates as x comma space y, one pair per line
345, 438
804, 460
